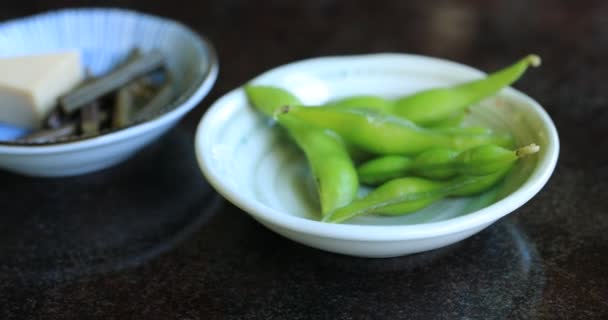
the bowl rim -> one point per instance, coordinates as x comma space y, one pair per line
185, 102
259, 211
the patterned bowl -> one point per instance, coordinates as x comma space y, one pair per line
254, 166
105, 36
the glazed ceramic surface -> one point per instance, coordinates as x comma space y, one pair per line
254, 165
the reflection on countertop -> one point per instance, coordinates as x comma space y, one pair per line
62, 229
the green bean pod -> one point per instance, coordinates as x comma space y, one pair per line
442, 163
333, 170
380, 133
410, 194
428, 106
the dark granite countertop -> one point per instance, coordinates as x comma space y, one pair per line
149, 239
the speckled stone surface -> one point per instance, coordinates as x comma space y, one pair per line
149, 239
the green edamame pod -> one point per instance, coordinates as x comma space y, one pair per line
437, 163
330, 163
432, 105
332, 167
441, 163
489, 158
464, 130
384, 134
384, 168
267, 99
452, 121
434, 163
466, 186
367, 102
379, 104
407, 195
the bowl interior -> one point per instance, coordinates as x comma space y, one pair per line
105, 36
259, 164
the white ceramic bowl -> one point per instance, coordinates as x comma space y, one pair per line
254, 166
105, 36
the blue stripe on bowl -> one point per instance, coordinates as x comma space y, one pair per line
9, 132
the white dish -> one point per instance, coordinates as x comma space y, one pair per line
105, 36
256, 168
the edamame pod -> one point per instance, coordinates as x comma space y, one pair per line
464, 130
407, 195
379, 104
428, 106
384, 168
267, 99
452, 121
489, 158
385, 134
330, 163
367, 102
334, 172
441, 163
434, 163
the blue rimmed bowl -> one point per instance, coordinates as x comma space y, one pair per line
103, 37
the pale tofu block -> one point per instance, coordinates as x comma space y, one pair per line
31, 85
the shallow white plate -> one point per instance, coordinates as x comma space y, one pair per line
103, 37
254, 166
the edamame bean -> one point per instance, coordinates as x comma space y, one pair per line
330, 163
410, 194
441, 163
385, 134
428, 106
